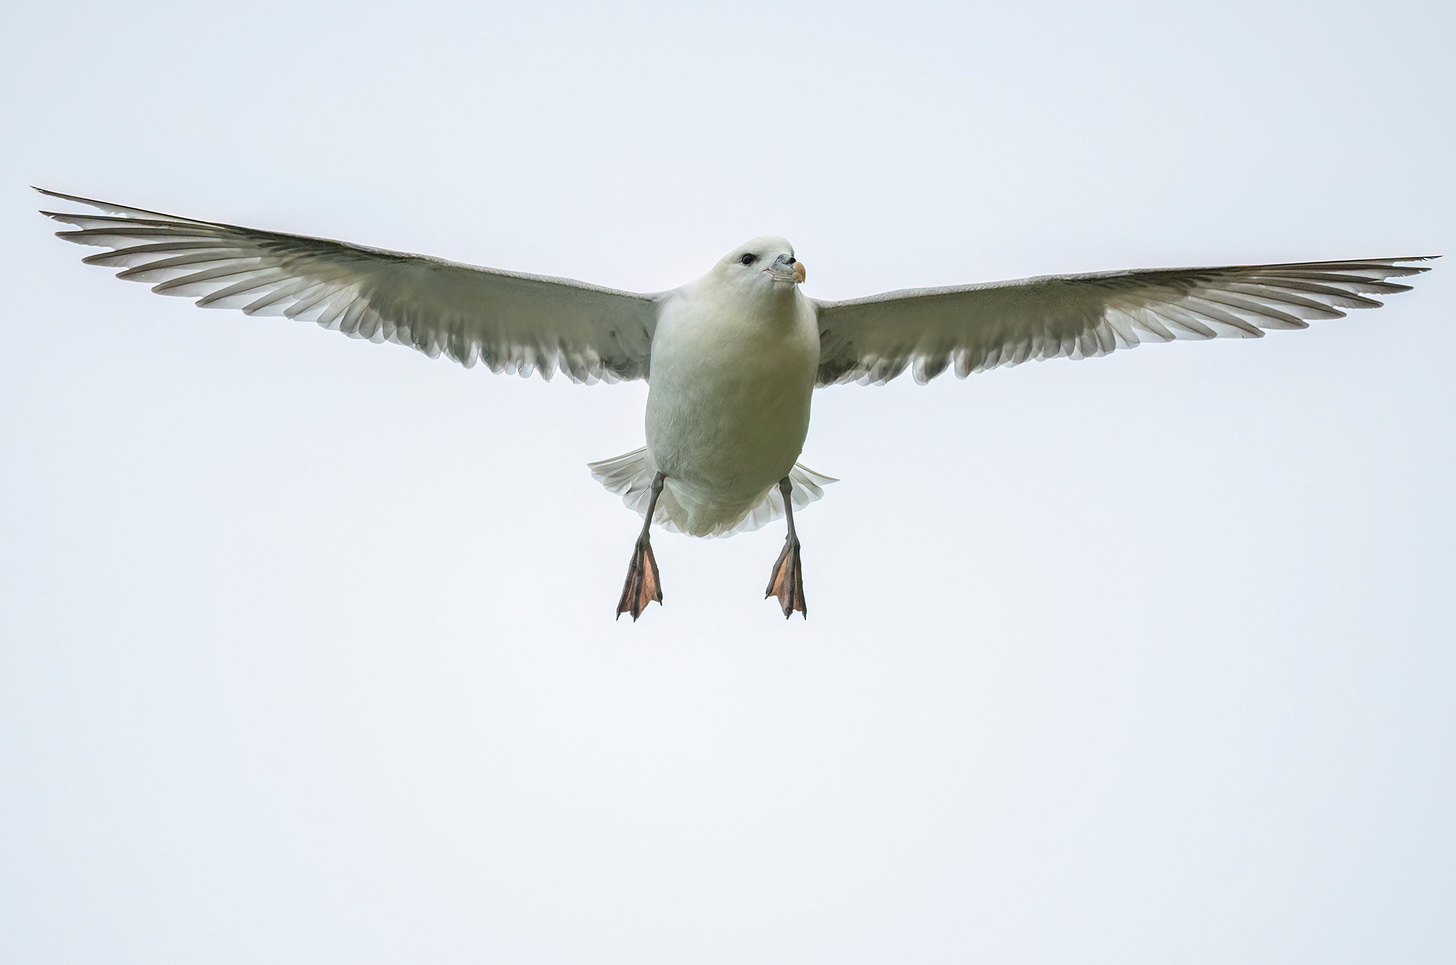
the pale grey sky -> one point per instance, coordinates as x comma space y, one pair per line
307, 643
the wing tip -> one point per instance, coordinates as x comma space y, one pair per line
1405, 261
64, 197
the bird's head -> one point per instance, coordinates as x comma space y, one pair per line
767, 261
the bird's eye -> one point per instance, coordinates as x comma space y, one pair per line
748, 259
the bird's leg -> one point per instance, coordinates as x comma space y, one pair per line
642, 586
787, 581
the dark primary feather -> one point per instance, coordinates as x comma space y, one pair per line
508, 321
978, 327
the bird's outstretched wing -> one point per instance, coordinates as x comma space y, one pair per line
976, 327
509, 321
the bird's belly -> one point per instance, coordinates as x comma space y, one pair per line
734, 437
724, 427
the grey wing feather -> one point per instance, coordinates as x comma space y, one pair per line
510, 322
978, 327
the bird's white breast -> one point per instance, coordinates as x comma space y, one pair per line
732, 378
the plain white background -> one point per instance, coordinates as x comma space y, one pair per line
307, 643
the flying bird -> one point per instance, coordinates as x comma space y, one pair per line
732, 359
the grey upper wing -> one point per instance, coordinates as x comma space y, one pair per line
509, 321
976, 327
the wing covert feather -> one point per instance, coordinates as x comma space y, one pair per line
978, 327
508, 321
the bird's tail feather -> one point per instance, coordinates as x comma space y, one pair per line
630, 476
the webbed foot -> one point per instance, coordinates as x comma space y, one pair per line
787, 582
642, 586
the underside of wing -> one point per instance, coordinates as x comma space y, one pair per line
975, 327
508, 321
